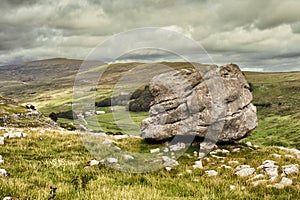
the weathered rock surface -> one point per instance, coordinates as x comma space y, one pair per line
185, 102
3, 172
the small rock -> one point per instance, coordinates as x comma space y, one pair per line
177, 147
272, 171
7, 198
166, 150
258, 176
15, 135
3, 172
155, 150
249, 144
279, 186
276, 155
232, 187
189, 171
1, 160
119, 137
1, 140
112, 160
128, 157
198, 164
256, 183
243, 188
290, 169
211, 173
94, 162
236, 150
286, 181
207, 159
225, 151
233, 162
218, 157
188, 155
255, 146
195, 153
168, 168
247, 171
108, 141
168, 162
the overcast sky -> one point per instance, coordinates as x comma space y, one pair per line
259, 35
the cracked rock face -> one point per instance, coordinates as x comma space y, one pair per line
189, 102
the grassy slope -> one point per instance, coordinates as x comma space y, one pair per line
60, 160
280, 123
38, 162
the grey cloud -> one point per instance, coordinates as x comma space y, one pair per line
251, 32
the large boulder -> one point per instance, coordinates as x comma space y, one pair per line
194, 102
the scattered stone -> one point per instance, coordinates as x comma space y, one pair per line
296, 152
120, 137
249, 144
286, 181
128, 157
1, 140
272, 171
276, 155
270, 168
258, 182
290, 169
233, 162
189, 171
112, 160
218, 157
236, 150
244, 170
7, 198
207, 159
232, 187
195, 153
225, 151
177, 147
108, 141
211, 173
15, 135
1, 160
255, 146
166, 150
168, 168
198, 164
258, 176
243, 188
94, 162
168, 162
154, 150
3, 172
99, 112
278, 185
188, 155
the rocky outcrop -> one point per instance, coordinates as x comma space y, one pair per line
190, 102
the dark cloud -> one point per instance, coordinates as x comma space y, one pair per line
258, 34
